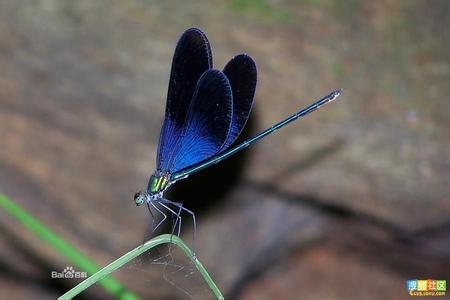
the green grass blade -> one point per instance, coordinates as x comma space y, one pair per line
64, 248
161, 239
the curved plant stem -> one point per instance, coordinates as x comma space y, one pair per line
62, 247
161, 239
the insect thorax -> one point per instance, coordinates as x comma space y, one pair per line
158, 183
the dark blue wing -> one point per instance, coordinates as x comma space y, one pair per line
191, 59
241, 72
207, 124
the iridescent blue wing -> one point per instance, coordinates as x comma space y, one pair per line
241, 72
191, 59
208, 122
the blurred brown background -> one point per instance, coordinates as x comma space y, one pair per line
347, 203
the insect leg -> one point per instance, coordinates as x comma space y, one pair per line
164, 215
153, 216
180, 206
177, 215
148, 233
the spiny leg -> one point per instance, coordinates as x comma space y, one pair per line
149, 232
153, 216
153, 204
165, 203
179, 224
178, 221
164, 215
169, 255
173, 212
180, 206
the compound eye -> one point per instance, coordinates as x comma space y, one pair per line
139, 198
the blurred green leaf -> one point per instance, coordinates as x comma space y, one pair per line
62, 247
